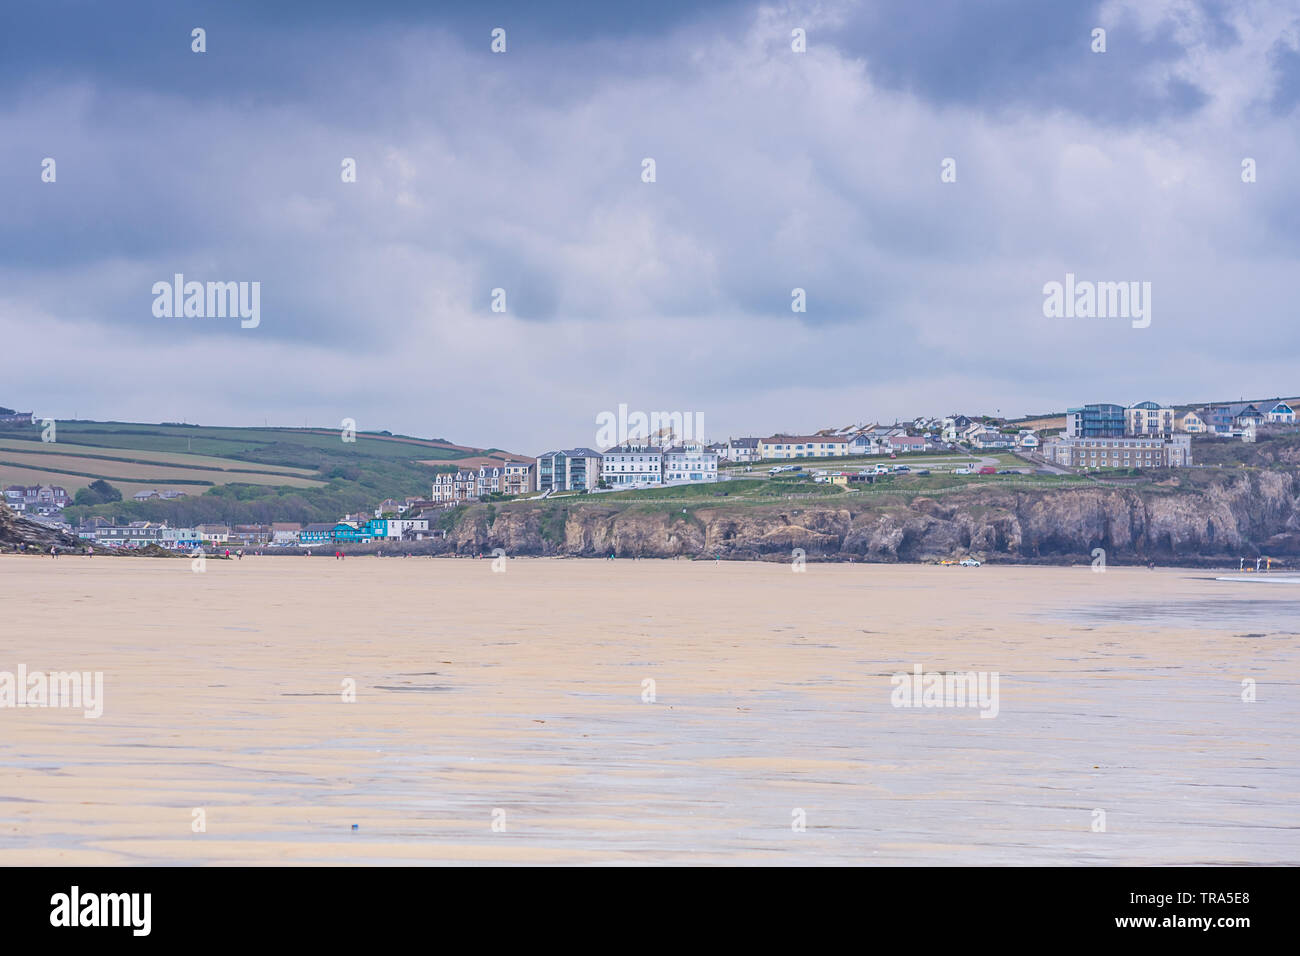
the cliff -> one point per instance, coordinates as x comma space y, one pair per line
1194, 520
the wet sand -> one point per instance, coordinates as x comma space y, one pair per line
522, 691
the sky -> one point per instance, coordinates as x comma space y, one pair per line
523, 170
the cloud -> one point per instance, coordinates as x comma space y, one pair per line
775, 170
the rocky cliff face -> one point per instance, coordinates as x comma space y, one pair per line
15, 531
1247, 514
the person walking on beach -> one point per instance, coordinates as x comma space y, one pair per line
54, 551
239, 553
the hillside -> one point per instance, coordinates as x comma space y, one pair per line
228, 474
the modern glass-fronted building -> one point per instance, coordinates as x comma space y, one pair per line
575, 469
1095, 421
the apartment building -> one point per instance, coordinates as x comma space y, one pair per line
573, 469
1096, 421
1147, 451
803, 446
1149, 418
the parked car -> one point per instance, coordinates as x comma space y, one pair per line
1008, 471
969, 563
962, 471
923, 471
988, 470
901, 468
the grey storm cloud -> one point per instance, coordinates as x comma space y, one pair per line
522, 171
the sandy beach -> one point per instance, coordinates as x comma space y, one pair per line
518, 698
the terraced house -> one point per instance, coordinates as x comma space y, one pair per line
518, 477
469, 485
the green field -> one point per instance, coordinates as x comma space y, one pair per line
232, 475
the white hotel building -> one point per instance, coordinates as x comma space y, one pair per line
687, 463
632, 466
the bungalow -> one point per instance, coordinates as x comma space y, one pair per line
992, 439
144, 495
1281, 414
1027, 439
905, 443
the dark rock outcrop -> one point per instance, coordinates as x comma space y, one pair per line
15, 530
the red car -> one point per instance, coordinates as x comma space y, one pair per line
987, 470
